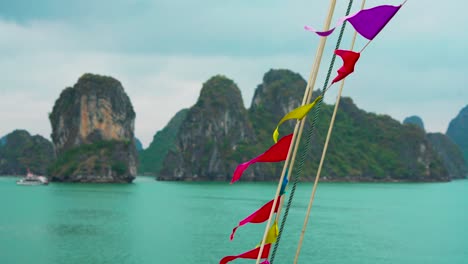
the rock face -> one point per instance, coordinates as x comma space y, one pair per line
280, 92
93, 132
20, 151
450, 154
366, 146
206, 146
415, 120
152, 158
458, 131
218, 133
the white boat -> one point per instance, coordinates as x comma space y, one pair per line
32, 179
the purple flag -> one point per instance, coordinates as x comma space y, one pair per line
367, 22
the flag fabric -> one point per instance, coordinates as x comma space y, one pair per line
284, 184
367, 22
277, 152
349, 61
252, 254
271, 235
298, 113
259, 216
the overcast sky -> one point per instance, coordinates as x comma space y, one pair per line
163, 51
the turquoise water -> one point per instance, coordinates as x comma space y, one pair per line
185, 223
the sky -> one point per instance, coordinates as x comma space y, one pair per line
162, 51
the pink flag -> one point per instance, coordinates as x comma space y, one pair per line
349, 61
259, 216
367, 22
277, 152
252, 254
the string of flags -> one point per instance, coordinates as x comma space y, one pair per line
368, 23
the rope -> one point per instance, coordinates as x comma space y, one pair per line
324, 153
307, 95
322, 159
308, 139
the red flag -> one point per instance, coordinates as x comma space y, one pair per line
252, 254
349, 60
277, 152
259, 216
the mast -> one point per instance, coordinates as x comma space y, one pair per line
298, 129
324, 152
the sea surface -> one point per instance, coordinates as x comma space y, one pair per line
187, 223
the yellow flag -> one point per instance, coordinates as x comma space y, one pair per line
298, 113
272, 234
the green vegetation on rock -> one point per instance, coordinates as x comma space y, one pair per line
414, 120
450, 154
208, 138
458, 131
101, 160
364, 146
21, 151
93, 132
151, 159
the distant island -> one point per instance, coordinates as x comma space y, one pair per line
93, 138
19, 151
207, 141
93, 126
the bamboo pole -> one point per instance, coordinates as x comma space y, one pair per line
324, 152
307, 96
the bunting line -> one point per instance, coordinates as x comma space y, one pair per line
367, 22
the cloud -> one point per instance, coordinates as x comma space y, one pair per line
163, 51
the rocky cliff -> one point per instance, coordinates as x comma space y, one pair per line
458, 131
415, 120
280, 92
450, 154
20, 151
218, 133
367, 146
206, 145
93, 132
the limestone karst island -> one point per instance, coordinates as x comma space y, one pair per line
233, 132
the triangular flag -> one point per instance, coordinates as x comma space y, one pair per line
367, 22
277, 152
349, 61
298, 113
284, 184
271, 235
259, 216
252, 254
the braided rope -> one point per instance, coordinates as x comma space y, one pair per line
311, 130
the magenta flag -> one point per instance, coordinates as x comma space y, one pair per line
252, 254
277, 152
259, 216
367, 22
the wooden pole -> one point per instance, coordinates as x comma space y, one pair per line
307, 96
324, 152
